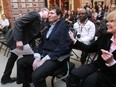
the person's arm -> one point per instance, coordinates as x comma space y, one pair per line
110, 60
108, 57
63, 46
20, 24
81, 46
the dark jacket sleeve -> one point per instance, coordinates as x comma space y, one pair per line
93, 47
20, 24
64, 43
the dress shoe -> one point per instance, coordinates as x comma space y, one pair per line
9, 80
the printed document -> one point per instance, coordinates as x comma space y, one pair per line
27, 50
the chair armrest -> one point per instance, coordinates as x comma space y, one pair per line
62, 58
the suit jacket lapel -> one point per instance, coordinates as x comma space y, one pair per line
54, 29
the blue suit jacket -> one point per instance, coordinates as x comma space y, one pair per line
58, 43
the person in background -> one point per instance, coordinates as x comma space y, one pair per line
85, 31
102, 71
87, 6
100, 15
65, 13
20, 15
70, 19
94, 15
89, 13
55, 43
4, 24
25, 29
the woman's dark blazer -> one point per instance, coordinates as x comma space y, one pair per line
103, 42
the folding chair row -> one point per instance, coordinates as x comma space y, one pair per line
4, 47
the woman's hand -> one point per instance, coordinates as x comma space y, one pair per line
72, 36
107, 56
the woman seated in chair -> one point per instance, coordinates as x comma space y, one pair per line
101, 72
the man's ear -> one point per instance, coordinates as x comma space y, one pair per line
59, 16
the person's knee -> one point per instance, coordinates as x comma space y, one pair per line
90, 80
37, 75
21, 63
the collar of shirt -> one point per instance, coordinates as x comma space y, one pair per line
113, 45
50, 29
82, 24
113, 40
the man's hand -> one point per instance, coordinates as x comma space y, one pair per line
19, 45
37, 62
107, 56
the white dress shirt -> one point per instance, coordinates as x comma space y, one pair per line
4, 22
86, 31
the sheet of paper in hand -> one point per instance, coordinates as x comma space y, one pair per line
27, 50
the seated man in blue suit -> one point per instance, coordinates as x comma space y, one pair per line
55, 42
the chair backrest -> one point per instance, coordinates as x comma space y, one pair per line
63, 72
100, 27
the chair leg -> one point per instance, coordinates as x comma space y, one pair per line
1, 46
6, 49
88, 58
8, 52
52, 81
91, 59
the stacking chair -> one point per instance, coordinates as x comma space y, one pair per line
4, 47
60, 76
90, 58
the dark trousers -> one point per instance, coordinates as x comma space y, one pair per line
24, 69
25, 72
83, 77
9, 66
39, 75
88, 76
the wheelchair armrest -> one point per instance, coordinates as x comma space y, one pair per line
62, 58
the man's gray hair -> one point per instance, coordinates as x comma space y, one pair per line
45, 9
